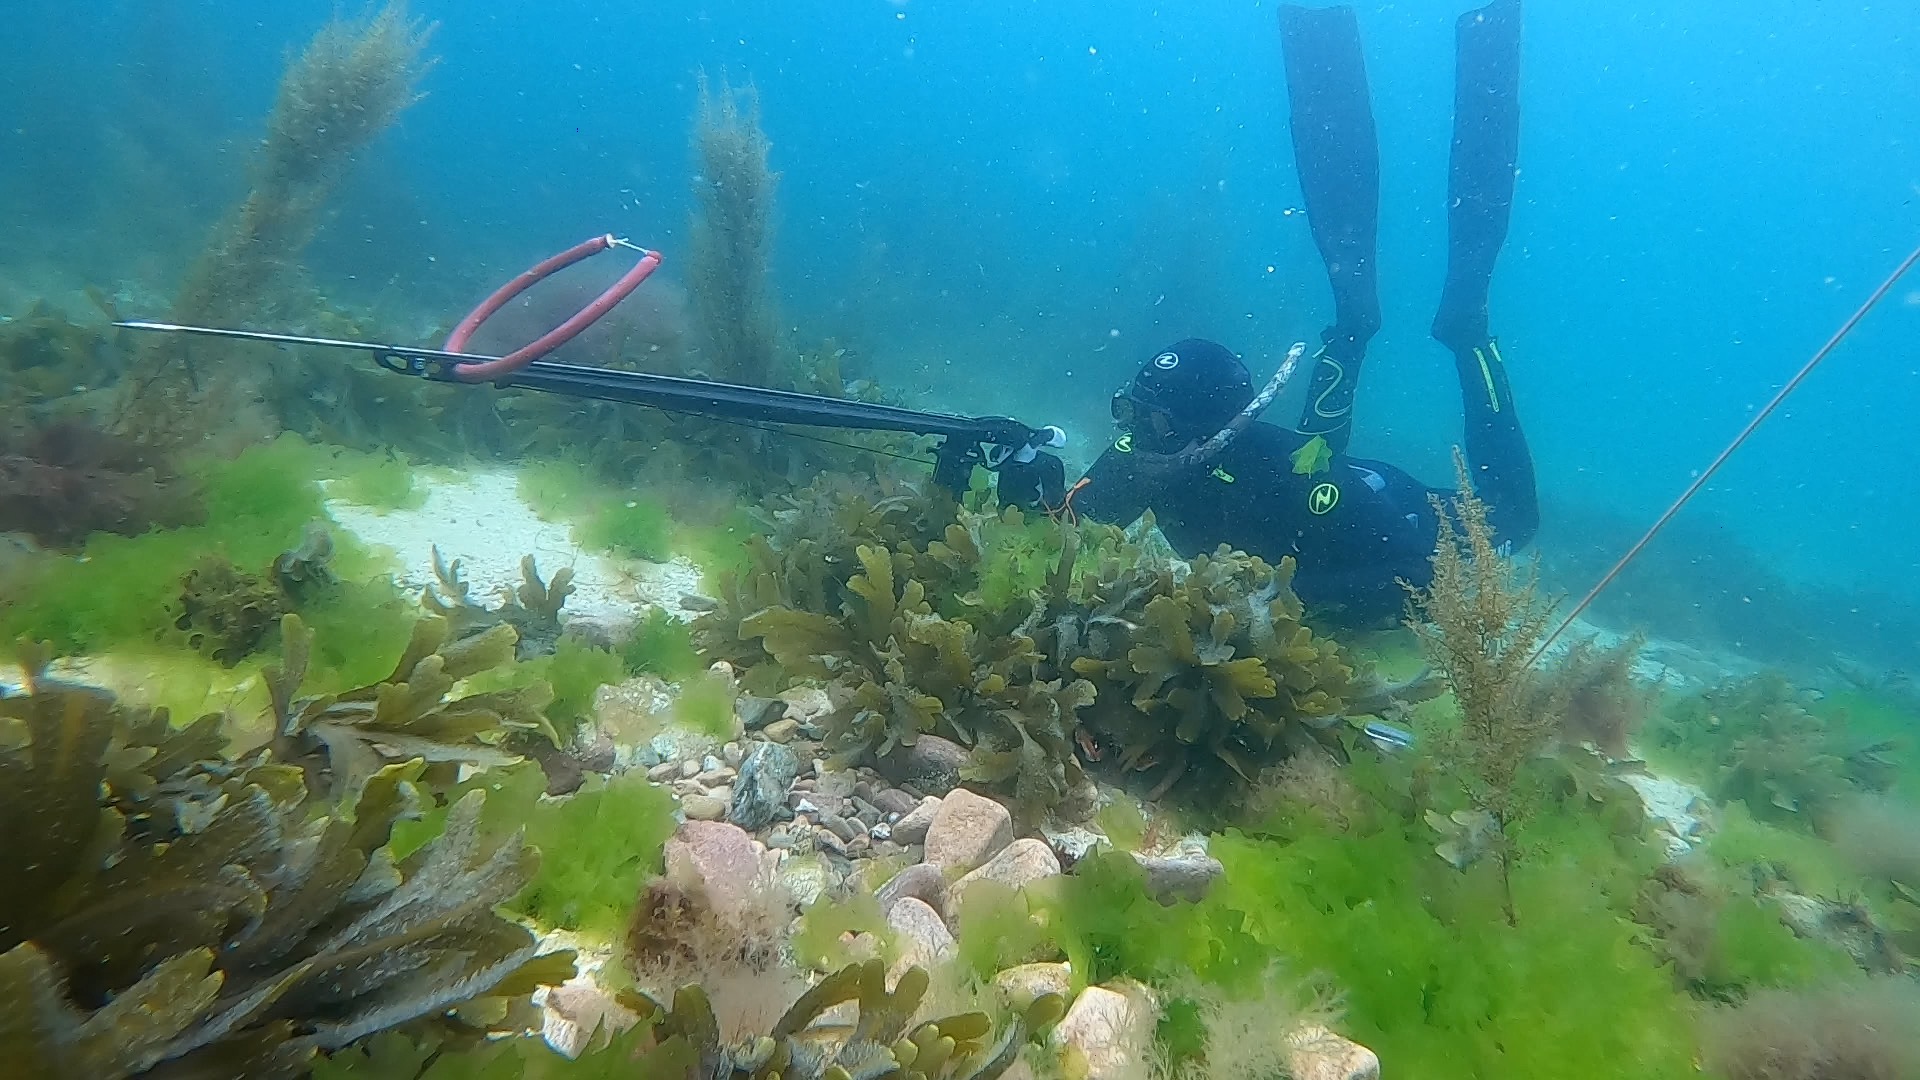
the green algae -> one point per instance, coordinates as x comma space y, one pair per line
661, 645
124, 592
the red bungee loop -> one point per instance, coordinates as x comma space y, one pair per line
559, 335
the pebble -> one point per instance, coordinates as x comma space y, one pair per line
920, 881
840, 827
924, 937
711, 777
732, 753
664, 771
806, 880
1179, 877
833, 783
1105, 1026
967, 830
863, 790
806, 704
931, 763
723, 792
882, 831
858, 845
803, 806
865, 812
825, 840
703, 808
689, 769
1023, 983
1019, 863
782, 731
912, 829
895, 802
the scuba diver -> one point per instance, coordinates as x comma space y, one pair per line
1188, 447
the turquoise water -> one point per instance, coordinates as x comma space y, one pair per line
1006, 206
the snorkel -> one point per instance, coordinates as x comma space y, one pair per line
1198, 453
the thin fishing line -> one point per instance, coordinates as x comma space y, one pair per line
1746, 432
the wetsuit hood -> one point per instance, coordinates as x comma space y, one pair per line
1195, 386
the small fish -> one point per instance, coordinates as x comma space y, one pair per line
1389, 737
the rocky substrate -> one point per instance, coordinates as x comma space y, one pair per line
766, 805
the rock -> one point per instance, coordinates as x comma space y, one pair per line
807, 879
1021, 985
689, 769
663, 772
1073, 843
756, 712
919, 881
783, 731
632, 706
732, 753
806, 706
894, 801
715, 777
574, 1009
680, 744
839, 784
703, 808
1080, 803
924, 939
1314, 1053
762, 785
967, 830
841, 827
912, 829
1108, 1029
882, 831
1179, 877
721, 859
930, 764
1019, 863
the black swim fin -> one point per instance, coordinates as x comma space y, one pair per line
1337, 152
1486, 147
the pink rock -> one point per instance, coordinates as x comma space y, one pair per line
720, 858
924, 938
1017, 864
967, 830
1111, 1030
912, 828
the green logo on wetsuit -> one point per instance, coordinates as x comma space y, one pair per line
1322, 498
1124, 444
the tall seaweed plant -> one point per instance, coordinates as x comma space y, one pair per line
348, 86
1480, 620
729, 258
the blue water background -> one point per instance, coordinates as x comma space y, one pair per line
1007, 205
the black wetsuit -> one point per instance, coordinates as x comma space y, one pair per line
1355, 528
1358, 527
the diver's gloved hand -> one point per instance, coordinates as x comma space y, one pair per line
1039, 484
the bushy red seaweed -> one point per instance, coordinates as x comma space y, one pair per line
63, 481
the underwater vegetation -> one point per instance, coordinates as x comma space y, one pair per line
257, 538
1755, 741
345, 89
729, 255
66, 480
341, 739
167, 908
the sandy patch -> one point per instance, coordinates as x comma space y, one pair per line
481, 521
